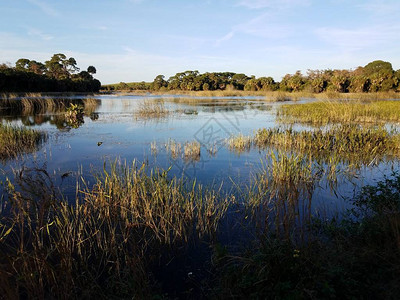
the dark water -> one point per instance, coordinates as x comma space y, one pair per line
113, 131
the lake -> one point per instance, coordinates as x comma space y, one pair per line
113, 130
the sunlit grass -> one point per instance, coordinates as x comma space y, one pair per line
325, 112
18, 140
148, 109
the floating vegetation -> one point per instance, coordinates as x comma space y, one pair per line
18, 140
192, 150
148, 109
325, 112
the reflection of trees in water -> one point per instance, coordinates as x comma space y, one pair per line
33, 112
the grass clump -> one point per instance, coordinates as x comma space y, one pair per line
239, 143
17, 140
148, 109
174, 148
325, 112
104, 243
348, 143
191, 150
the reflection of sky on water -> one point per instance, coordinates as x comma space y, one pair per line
118, 134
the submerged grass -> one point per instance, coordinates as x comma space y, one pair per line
18, 140
325, 112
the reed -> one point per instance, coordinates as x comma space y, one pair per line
325, 112
18, 140
148, 109
174, 148
103, 243
191, 150
239, 143
350, 144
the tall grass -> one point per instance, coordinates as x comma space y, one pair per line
101, 245
18, 140
239, 143
325, 112
192, 150
348, 143
30, 106
148, 109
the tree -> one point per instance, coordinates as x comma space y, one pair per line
22, 64
159, 82
91, 70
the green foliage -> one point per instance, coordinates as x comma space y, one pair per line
377, 76
59, 74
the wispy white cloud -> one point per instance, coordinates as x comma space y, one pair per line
37, 33
359, 38
47, 9
262, 26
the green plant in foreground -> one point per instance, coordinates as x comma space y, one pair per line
103, 243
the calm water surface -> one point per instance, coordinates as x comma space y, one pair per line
115, 132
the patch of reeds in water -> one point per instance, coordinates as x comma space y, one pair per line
18, 140
174, 148
325, 112
101, 245
31, 106
348, 143
192, 151
149, 109
239, 143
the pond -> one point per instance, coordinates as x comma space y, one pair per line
154, 129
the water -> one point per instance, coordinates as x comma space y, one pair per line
114, 132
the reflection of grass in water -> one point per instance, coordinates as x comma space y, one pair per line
148, 109
324, 112
103, 244
17, 140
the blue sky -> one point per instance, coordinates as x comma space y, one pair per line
134, 40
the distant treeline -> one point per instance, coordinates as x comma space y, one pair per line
377, 76
59, 74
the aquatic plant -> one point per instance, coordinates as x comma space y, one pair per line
325, 112
191, 150
18, 140
174, 148
151, 109
74, 115
103, 243
239, 143
351, 144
